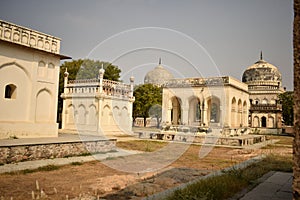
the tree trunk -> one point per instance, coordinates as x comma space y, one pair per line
157, 122
296, 145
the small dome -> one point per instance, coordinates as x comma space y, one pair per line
158, 75
262, 71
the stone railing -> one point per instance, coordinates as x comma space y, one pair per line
27, 37
264, 107
268, 87
92, 86
190, 82
257, 82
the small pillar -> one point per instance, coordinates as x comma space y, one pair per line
66, 76
101, 75
131, 86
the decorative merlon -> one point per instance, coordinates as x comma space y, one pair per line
27, 37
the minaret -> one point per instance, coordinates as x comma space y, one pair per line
159, 62
261, 56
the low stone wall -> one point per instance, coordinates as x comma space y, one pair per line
26, 152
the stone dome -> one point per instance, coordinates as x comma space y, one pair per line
262, 71
158, 75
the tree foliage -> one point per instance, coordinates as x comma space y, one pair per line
85, 69
148, 99
287, 100
156, 112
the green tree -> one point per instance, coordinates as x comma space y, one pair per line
84, 69
156, 112
90, 69
287, 101
147, 96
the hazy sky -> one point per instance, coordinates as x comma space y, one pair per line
193, 38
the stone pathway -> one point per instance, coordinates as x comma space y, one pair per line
276, 187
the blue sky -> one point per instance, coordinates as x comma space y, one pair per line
193, 38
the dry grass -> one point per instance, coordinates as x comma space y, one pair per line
76, 179
283, 140
142, 145
233, 181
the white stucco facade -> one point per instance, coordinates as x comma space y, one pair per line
97, 106
217, 101
264, 82
29, 73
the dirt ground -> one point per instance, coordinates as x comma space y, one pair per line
94, 180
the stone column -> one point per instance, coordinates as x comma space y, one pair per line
220, 116
205, 113
185, 115
296, 145
64, 111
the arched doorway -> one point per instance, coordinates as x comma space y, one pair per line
263, 122
213, 106
194, 111
233, 112
176, 111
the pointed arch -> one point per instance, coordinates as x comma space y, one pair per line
71, 114
263, 121
233, 112
15, 83
116, 114
176, 110
106, 115
18, 66
194, 110
41, 70
256, 122
92, 116
124, 115
81, 119
271, 122
244, 114
43, 112
239, 113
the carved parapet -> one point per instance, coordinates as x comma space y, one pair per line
204, 82
266, 107
92, 86
28, 37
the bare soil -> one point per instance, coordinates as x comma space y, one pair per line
94, 180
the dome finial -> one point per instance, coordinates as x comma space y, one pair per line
159, 62
261, 57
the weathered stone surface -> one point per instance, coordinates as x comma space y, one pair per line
13, 154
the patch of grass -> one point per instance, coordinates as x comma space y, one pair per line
76, 163
145, 129
283, 140
142, 145
232, 181
110, 158
44, 168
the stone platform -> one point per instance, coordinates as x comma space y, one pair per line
207, 139
65, 145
